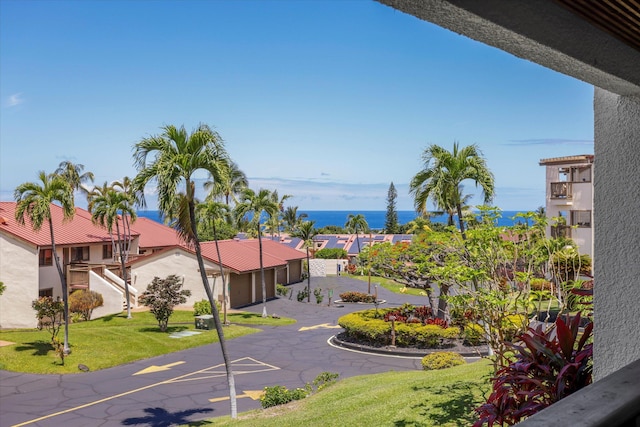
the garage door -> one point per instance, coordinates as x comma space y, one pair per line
240, 290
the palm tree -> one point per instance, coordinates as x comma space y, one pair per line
136, 198
306, 231
291, 218
34, 201
177, 155
277, 219
230, 184
442, 176
214, 211
355, 223
256, 203
74, 175
108, 209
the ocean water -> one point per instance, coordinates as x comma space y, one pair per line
375, 219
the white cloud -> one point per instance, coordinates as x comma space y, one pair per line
14, 100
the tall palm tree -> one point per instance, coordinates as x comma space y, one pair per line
230, 184
136, 198
306, 231
276, 220
442, 176
75, 176
291, 218
108, 209
356, 223
34, 201
211, 212
171, 159
255, 204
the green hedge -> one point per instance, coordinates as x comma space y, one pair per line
371, 328
331, 253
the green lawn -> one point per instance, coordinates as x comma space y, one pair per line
115, 340
388, 284
415, 398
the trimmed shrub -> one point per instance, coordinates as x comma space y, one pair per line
331, 253
203, 307
83, 302
473, 333
282, 290
513, 325
279, 395
357, 297
442, 360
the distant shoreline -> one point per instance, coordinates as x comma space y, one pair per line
375, 219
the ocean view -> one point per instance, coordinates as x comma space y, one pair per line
375, 219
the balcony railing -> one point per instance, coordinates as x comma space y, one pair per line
560, 231
561, 190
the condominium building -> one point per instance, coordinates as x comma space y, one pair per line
569, 199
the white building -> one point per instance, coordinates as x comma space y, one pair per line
569, 190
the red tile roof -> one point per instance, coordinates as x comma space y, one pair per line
79, 230
240, 255
155, 235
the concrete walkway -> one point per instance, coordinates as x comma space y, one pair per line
190, 385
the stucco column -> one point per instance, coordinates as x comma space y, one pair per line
617, 231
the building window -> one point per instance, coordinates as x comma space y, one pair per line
45, 293
107, 251
576, 173
46, 257
80, 253
581, 218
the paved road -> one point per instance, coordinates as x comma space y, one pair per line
193, 384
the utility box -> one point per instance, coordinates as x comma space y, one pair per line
205, 322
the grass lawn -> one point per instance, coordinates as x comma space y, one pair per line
115, 340
416, 398
388, 284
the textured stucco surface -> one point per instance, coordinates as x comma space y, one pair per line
617, 231
19, 273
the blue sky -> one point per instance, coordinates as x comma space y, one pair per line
326, 100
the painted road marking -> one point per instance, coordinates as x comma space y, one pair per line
155, 368
253, 394
245, 361
321, 326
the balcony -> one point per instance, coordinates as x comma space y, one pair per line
560, 231
561, 190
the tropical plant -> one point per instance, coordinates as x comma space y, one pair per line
255, 204
442, 176
356, 223
2, 288
74, 175
228, 185
306, 231
34, 200
549, 365
391, 217
84, 301
162, 295
137, 199
177, 156
331, 253
109, 208
292, 219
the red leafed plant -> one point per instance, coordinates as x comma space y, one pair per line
548, 366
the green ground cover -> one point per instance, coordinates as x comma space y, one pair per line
115, 340
416, 398
388, 284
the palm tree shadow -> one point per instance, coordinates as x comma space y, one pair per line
457, 410
159, 417
40, 348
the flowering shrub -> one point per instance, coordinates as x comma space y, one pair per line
547, 368
357, 297
162, 295
84, 301
410, 314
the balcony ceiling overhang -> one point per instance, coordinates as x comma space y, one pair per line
594, 41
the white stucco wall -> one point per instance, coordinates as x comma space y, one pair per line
111, 296
176, 262
617, 231
19, 273
317, 268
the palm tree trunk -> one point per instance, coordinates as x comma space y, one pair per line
459, 209
65, 292
224, 284
262, 281
124, 269
214, 311
308, 277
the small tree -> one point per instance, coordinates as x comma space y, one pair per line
50, 315
84, 301
391, 218
162, 295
